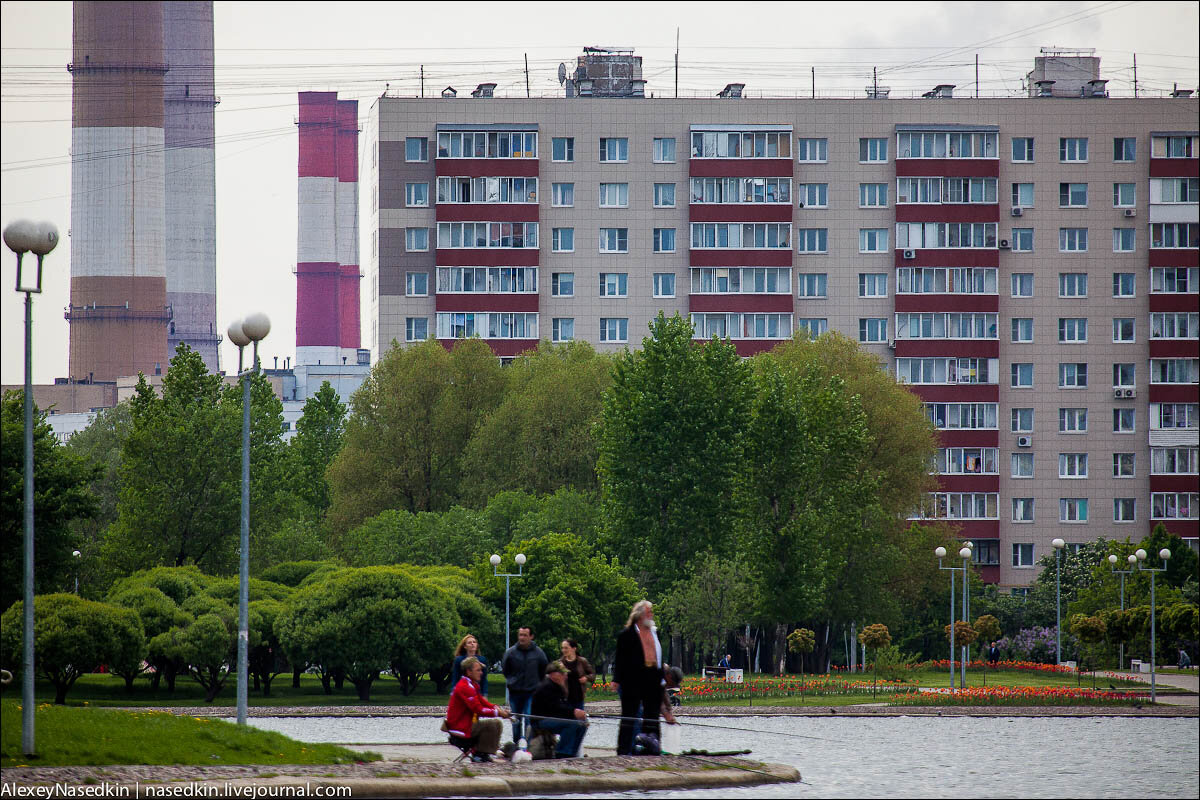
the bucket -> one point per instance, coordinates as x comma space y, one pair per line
672, 738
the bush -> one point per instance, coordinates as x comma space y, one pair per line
893, 665
1034, 644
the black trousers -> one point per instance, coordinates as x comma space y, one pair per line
640, 697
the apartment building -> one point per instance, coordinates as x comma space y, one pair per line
1029, 266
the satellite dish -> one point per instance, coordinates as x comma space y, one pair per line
562, 74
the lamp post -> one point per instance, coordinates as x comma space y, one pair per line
39, 238
1140, 556
76, 554
1058, 544
253, 328
965, 554
966, 607
495, 562
1113, 561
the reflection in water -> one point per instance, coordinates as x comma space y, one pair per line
896, 756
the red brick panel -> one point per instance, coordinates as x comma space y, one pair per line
1174, 168
957, 393
947, 212
969, 438
740, 212
947, 302
946, 348
1181, 257
741, 303
956, 257
1174, 392
741, 167
489, 257
487, 212
1173, 348
487, 167
1174, 302
969, 483
486, 302
948, 167
740, 258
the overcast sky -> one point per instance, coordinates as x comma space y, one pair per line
266, 52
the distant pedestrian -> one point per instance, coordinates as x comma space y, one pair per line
582, 673
1184, 661
726, 662
638, 677
468, 646
524, 666
993, 654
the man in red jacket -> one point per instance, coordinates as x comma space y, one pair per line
471, 715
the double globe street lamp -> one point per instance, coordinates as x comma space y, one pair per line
1136, 559
1058, 544
253, 328
965, 554
39, 238
1113, 561
508, 576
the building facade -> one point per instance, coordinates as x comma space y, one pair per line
1028, 266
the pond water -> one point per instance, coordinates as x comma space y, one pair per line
894, 756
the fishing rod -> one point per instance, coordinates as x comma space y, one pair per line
619, 718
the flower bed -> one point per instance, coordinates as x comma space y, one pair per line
695, 689
1016, 696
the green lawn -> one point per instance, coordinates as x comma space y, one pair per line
1020, 677
68, 735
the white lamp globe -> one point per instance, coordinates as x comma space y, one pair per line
940, 552
236, 335
520, 559
1059, 544
1164, 554
1112, 560
964, 552
494, 560
256, 326
1141, 554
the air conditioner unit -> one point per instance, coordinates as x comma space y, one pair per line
1024, 441
1131, 212
891, 344
910, 254
1017, 211
1131, 392
1004, 245
1118, 393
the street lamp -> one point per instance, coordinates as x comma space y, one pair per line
253, 328
1113, 561
965, 554
1140, 556
1059, 544
76, 554
495, 562
966, 607
39, 238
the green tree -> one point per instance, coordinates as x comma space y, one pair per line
671, 450
802, 641
875, 637
318, 440
61, 497
412, 419
158, 614
542, 435
717, 596
1090, 631
71, 636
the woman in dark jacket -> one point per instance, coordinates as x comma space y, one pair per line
467, 647
581, 674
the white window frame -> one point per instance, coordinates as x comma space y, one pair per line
660, 189
873, 240
411, 190
873, 150
659, 234
613, 195
410, 237
556, 329
557, 284
556, 236
1022, 330
562, 194
812, 150
872, 195
410, 329
820, 281
423, 147
1073, 150
872, 284
1026, 145
616, 237
659, 279
568, 145
614, 329
1072, 240
660, 148
411, 279
614, 284
619, 148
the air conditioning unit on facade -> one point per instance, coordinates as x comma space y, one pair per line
891, 344
1017, 211
1131, 212
1130, 393
910, 254
1118, 393
1024, 441
1004, 245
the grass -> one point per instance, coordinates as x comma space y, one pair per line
95, 736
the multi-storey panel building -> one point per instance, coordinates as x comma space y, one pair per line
1004, 257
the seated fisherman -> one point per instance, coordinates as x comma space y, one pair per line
553, 712
470, 715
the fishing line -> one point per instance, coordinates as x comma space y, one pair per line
619, 718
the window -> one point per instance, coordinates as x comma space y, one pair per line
1072, 195
743, 235
1072, 329
744, 280
614, 329
614, 150
872, 151
614, 195
812, 150
664, 151
489, 144
741, 326
488, 325
1022, 240
1072, 240
872, 330
562, 195
919, 190
1124, 465
562, 284
811, 284
964, 416
946, 280
1022, 420
1125, 148
1174, 280
872, 240
1172, 235
945, 234
986, 552
614, 284
1072, 150
1123, 329
812, 240
1072, 375
664, 195
457, 189
741, 144
947, 370
488, 235
1022, 465
872, 284
1174, 505
1174, 325
1174, 190
1022, 149
487, 280
1124, 420
813, 195
1124, 509
416, 329
1124, 284
416, 195
563, 148
1022, 375
1022, 195
416, 148
1174, 460
416, 240
1173, 147
1072, 420
562, 240
815, 327
664, 284
872, 195
614, 240
1072, 509
664, 240
1022, 329
741, 190
936, 144
562, 329
1072, 465
1072, 284
1022, 511
416, 284
967, 461
1174, 370
1173, 416
1124, 240
1124, 375
1124, 195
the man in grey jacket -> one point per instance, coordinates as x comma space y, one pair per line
524, 666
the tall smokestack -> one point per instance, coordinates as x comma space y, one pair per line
327, 270
118, 310
191, 199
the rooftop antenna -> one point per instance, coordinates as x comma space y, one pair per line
677, 63
562, 74
422, 80
527, 74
